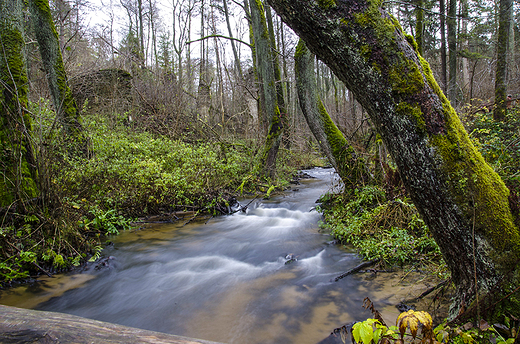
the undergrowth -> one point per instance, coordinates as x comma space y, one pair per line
499, 142
390, 230
127, 173
418, 327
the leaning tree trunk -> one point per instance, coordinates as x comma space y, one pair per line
461, 199
64, 103
340, 153
17, 166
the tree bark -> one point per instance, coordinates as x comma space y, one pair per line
266, 71
27, 326
461, 199
64, 103
340, 153
452, 51
204, 89
17, 165
419, 25
444, 72
465, 49
504, 28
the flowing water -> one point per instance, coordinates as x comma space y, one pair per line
225, 279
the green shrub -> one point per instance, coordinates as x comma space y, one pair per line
389, 230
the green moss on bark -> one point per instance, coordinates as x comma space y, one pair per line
17, 165
327, 3
64, 103
446, 176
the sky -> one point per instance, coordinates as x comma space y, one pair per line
98, 15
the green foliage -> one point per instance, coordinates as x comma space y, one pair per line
390, 230
498, 141
127, 173
105, 221
139, 173
484, 333
97, 253
372, 331
376, 331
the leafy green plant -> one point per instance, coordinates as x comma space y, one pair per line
392, 231
97, 253
374, 330
106, 221
499, 141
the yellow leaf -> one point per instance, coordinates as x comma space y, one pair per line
412, 320
414, 324
425, 319
403, 325
403, 315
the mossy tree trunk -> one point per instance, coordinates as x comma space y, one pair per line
265, 64
504, 28
64, 103
17, 166
461, 199
349, 166
278, 82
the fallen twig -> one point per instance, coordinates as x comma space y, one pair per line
356, 269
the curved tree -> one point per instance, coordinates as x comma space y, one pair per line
64, 103
334, 145
461, 199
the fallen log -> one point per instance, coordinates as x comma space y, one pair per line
19, 325
356, 269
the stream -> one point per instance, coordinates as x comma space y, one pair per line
226, 279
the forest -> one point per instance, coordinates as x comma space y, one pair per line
115, 113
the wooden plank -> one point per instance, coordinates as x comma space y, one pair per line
19, 325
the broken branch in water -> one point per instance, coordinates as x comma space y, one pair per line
356, 269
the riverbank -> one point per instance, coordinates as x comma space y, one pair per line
260, 276
128, 174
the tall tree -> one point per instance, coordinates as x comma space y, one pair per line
419, 25
461, 199
181, 28
140, 16
444, 72
464, 47
64, 103
452, 51
204, 90
17, 166
504, 29
265, 62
